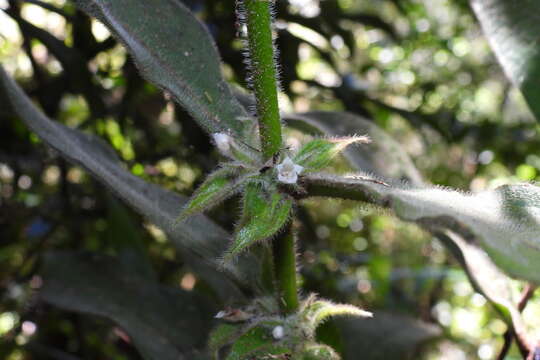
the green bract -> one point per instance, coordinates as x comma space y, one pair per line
265, 213
264, 336
318, 153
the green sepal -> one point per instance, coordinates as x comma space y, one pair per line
218, 186
265, 212
318, 153
317, 352
314, 312
257, 343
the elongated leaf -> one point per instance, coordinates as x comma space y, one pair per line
163, 323
174, 51
318, 153
505, 222
201, 241
217, 187
317, 311
485, 277
383, 156
265, 213
512, 28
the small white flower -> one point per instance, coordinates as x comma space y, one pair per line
278, 332
223, 142
288, 171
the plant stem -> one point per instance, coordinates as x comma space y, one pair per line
263, 73
285, 267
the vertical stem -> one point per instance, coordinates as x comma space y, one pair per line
263, 77
285, 268
263, 73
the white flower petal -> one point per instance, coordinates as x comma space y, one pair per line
288, 171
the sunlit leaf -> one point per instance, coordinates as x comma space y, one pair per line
505, 221
176, 53
512, 29
265, 213
318, 153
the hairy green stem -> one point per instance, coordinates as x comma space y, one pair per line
284, 252
263, 73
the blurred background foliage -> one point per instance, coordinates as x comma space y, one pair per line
420, 69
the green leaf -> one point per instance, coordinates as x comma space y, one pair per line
512, 29
200, 241
176, 53
257, 343
317, 352
265, 213
314, 312
383, 156
163, 323
216, 188
223, 335
505, 221
318, 153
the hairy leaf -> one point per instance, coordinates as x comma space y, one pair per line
505, 221
163, 323
318, 153
318, 352
383, 156
317, 311
176, 53
255, 344
265, 213
217, 187
201, 240
512, 28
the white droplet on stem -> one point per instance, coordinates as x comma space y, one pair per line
278, 332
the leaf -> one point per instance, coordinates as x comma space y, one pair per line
216, 188
485, 277
176, 53
386, 336
314, 312
223, 335
512, 29
265, 213
318, 153
383, 156
200, 241
163, 323
505, 221
318, 352
257, 343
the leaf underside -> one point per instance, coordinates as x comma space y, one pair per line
175, 53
